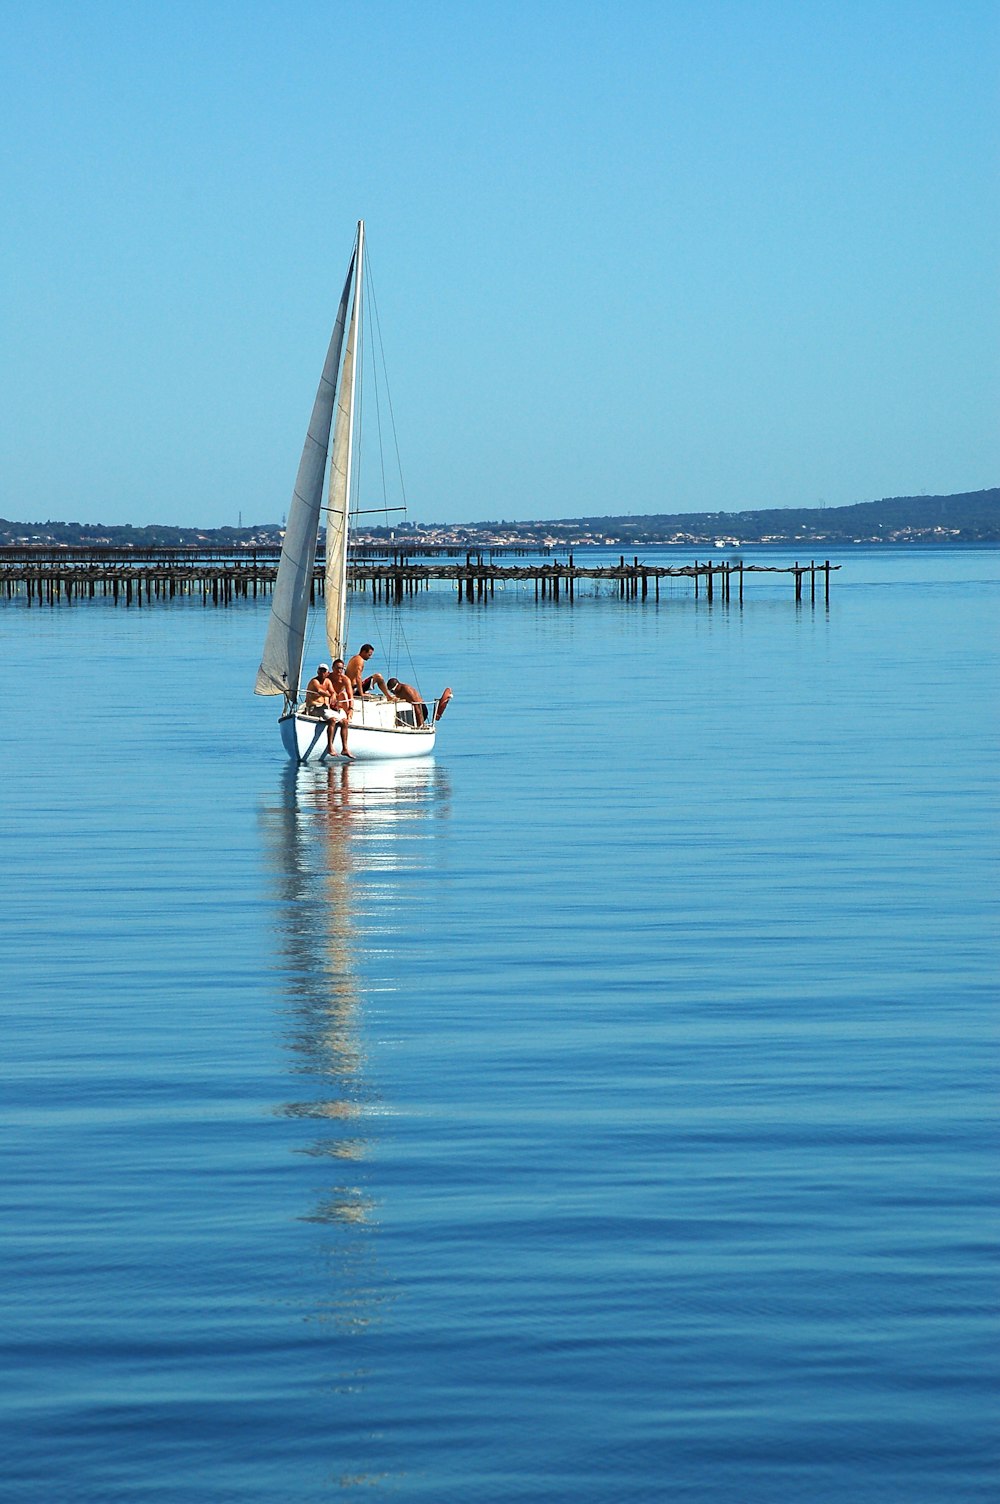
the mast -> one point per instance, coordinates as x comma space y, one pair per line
342, 469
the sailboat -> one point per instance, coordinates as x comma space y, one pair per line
379, 728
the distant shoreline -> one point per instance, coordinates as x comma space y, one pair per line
967, 517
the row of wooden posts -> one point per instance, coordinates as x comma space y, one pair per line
220, 585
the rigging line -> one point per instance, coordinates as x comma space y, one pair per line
359, 398
378, 408
357, 455
391, 629
394, 649
406, 646
354, 488
385, 377
366, 367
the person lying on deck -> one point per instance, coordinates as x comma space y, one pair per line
412, 697
355, 672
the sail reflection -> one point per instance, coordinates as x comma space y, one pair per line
338, 837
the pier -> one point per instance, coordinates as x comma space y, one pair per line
220, 577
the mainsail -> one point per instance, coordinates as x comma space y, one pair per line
341, 462
281, 664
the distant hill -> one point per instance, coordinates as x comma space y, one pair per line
970, 517
156, 535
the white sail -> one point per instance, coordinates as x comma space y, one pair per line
341, 463
281, 664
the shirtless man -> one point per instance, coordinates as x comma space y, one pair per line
355, 672
319, 701
318, 689
412, 697
341, 706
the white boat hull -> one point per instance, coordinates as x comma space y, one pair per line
373, 736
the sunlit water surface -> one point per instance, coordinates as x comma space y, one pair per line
599, 1111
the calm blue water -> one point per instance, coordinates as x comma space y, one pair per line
599, 1112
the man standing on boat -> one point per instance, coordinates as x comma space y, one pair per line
355, 672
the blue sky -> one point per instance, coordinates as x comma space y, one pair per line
636, 257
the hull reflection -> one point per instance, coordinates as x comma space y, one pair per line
337, 835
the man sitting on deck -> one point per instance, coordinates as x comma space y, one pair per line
318, 691
322, 701
412, 696
355, 672
341, 707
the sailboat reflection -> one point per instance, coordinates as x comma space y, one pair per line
339, 837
